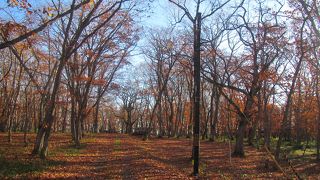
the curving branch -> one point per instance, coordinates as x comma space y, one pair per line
22, 37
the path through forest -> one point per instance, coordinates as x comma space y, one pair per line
119, 156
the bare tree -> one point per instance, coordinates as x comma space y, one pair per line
196, 21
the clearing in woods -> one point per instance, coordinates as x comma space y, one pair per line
119, 156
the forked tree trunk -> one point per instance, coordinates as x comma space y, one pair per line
44, 149
45, 129
245, 117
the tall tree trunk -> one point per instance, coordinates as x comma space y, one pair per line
239, 149
318, 119
297, 116
73, 119
245, 117
129, 123
212, 125
289, 99
26, 118
64, 120
96, 117
266, 120
160, 121
189, 124
45, 129
318, 136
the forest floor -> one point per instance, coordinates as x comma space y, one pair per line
119, 156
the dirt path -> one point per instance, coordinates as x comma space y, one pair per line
118, 156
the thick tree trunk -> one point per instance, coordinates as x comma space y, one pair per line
44, 149
251, 134
129, 123
38, 142
245, 117
77, 132
239, 148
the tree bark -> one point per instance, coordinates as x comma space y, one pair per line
239, 148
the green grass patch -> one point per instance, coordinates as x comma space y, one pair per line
300, 152
14, 168
117, 144
292, 149
70, 150
89, 140
11, 169
203, 168
223, 175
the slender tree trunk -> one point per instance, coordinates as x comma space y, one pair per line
189, 124
229, 130
286, 112
26, 119
318, 136
318, 119
212, 125
266, 120
96, 119
297, 116
64, 121
197, 93
77, 132
73, 119
10, 130
160, 117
